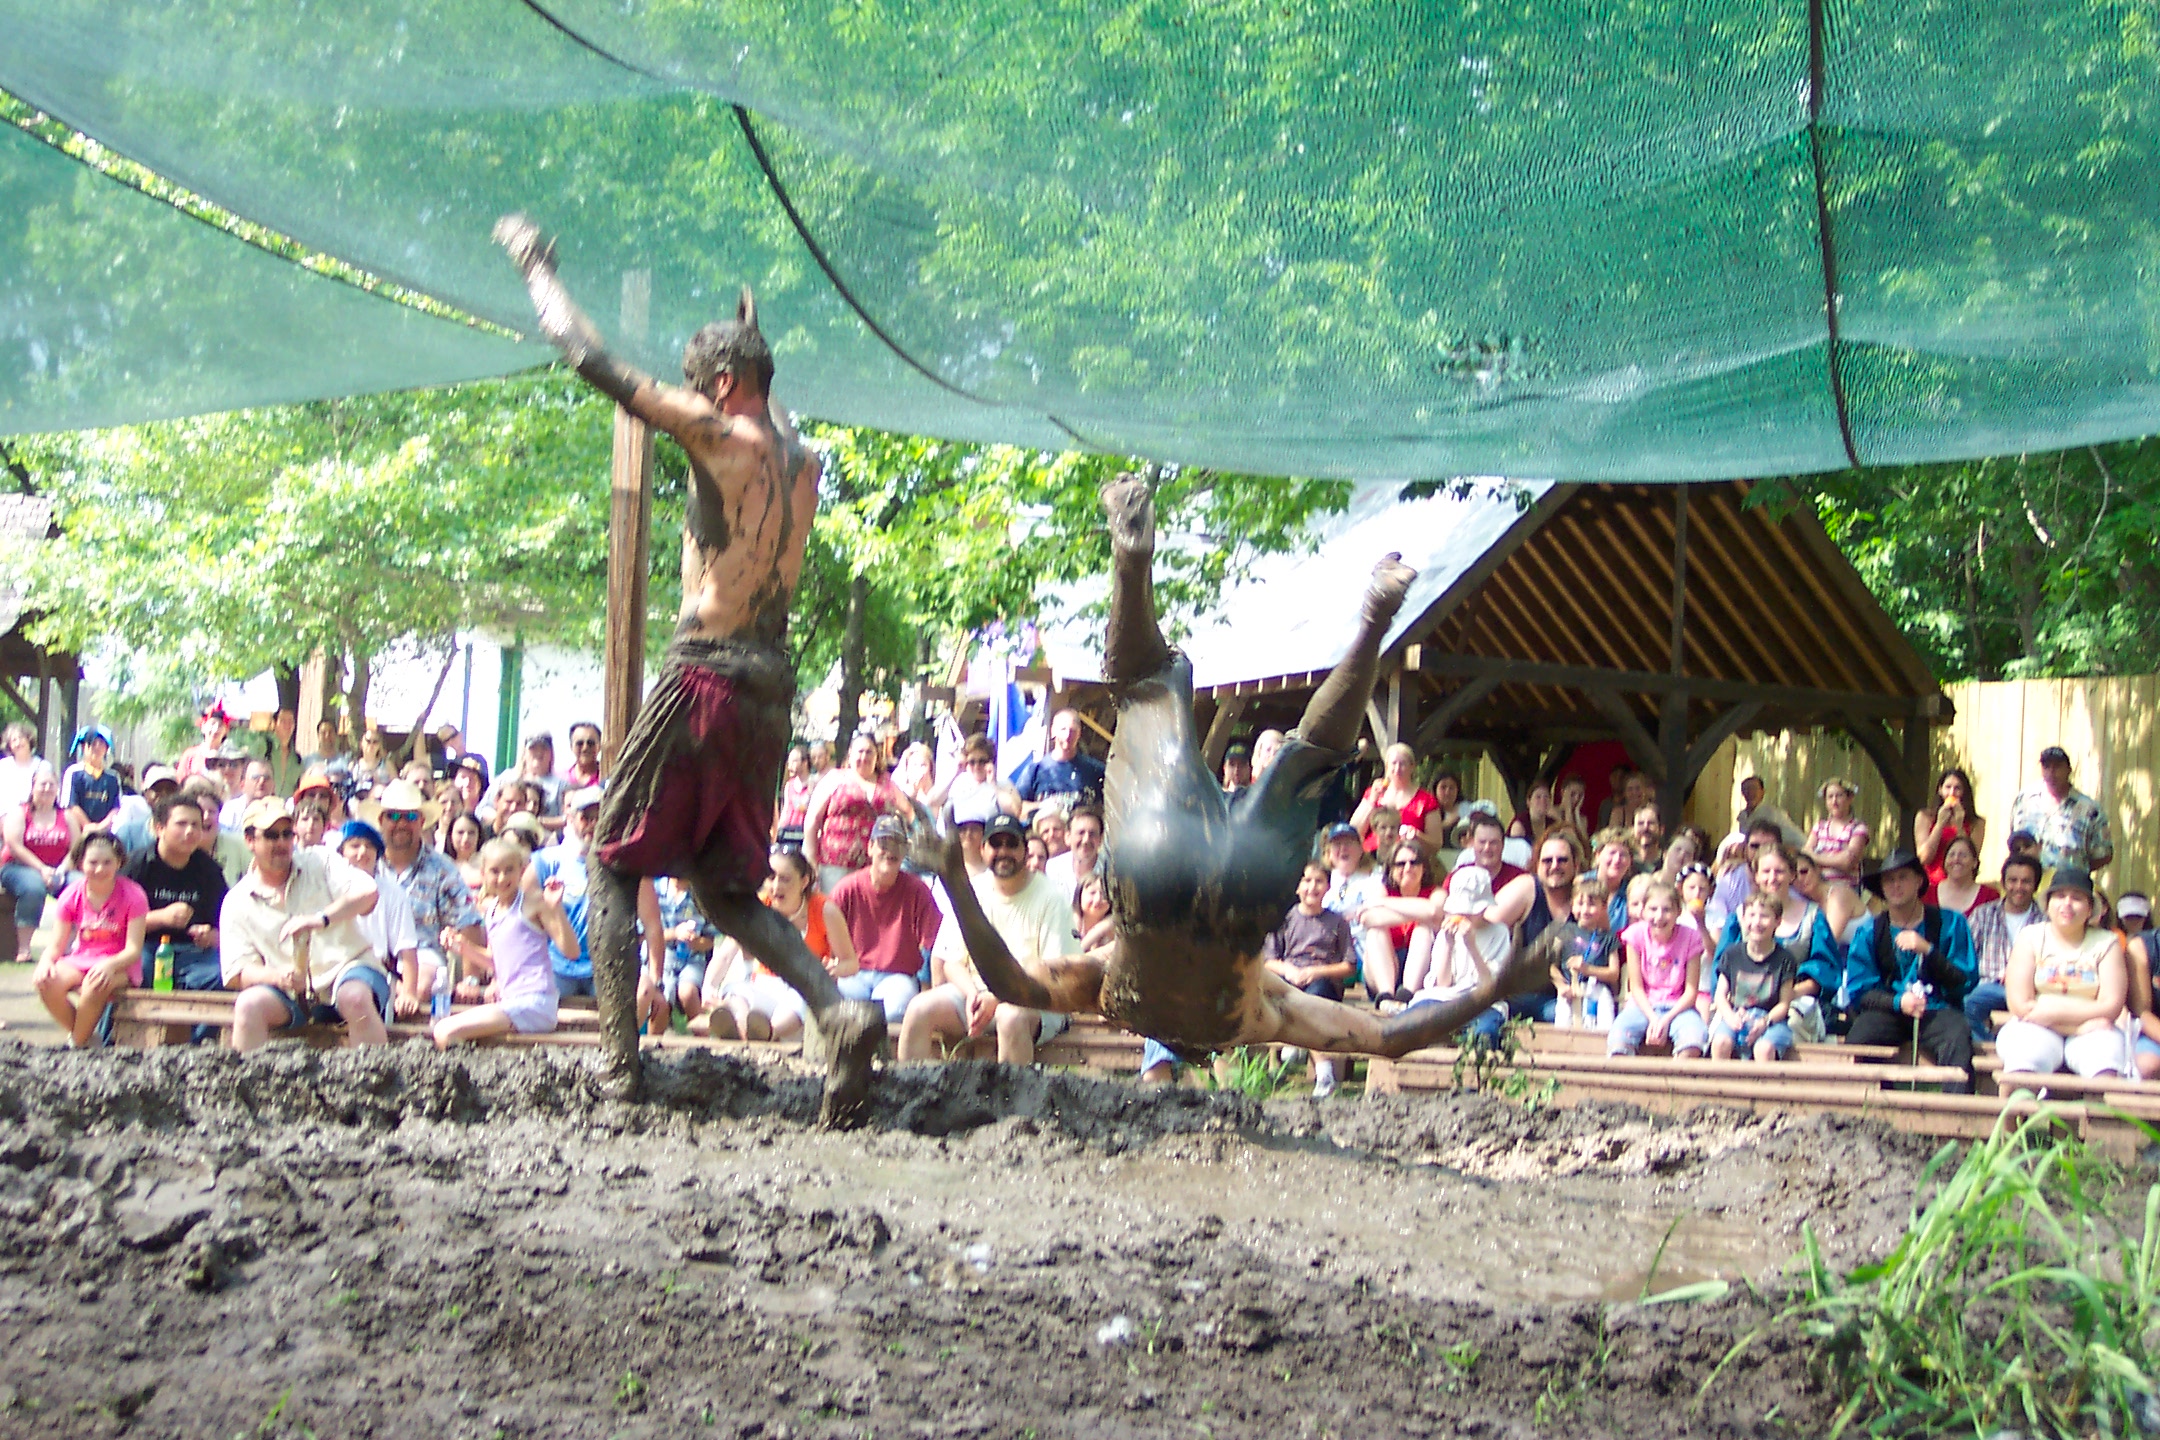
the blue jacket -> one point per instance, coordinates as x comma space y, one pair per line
1821, 959
1957, 962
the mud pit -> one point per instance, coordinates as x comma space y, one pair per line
395, 1243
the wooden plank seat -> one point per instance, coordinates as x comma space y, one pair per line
1988, 1069
1544, 1038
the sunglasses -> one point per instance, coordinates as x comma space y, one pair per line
282, 832
1007, 842
1406, 865
392, 817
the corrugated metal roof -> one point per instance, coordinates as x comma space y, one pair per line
1297, 613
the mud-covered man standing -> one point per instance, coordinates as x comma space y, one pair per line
692, 794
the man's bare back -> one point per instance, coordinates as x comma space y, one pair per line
753, 483
692, 791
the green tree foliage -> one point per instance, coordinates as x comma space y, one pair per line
2007, 568
203, 550
196, 551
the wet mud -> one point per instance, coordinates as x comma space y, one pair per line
396, 1243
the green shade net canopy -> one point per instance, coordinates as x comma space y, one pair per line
1574, 240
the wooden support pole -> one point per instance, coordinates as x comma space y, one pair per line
1920, 766
629, 563
629, 546
1221, 726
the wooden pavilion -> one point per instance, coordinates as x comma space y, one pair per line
1666, 617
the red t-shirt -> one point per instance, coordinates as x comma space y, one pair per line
891, 928
1422, 803
1399, 935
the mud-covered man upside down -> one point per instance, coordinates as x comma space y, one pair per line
1197, 880
692, 793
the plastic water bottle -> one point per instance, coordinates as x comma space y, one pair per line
161, 969
1599, 1008
439, 998
1563, 1015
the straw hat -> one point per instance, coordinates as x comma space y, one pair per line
397, 795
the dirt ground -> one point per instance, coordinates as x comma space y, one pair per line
396, 1243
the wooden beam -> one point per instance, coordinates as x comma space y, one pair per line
1679, 581
1228, 711
1920, 765
1673, 751
629, 565
1642, 746
1453, 708
1647, 682
1889, 758
1728, 724
15, 697
1468, 583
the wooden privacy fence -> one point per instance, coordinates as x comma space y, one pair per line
2107, 723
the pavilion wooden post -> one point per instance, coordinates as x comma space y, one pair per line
1673, 778
629, 547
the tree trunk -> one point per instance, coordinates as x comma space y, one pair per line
288, 686
356, 697
853, 660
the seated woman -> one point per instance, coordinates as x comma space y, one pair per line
97, 944
743, 999
1839, 843
1952, 817
1462, 952
1664, 981
1960, 888
1417, 809
521, 996
1388, 946
2066, 982
34, 844
1804, 930
2145, 1022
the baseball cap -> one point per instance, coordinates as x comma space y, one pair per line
1003, 824
977, 808
2135, 905
582, 797
1238, 752
264, 813
889, 827
157, 775
1469, 891
362, 830
1340, 831
2055, 753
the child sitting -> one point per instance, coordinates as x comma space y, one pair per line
1754, 987
522, 995
1313, 951
1467, 946
1664, 979
1580, 955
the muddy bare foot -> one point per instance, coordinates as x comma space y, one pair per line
624, 1078
1131, 508
1390, 583
854, 1032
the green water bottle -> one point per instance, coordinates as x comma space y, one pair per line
162, 971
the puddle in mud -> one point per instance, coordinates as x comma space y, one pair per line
1425, 1228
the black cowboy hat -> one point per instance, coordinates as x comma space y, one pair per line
1899, 860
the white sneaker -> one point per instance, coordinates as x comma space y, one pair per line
1325, 1085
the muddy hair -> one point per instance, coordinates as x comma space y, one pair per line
736, 346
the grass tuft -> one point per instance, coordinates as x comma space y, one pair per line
2017, 1299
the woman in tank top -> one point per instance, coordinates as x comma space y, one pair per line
2066, 984
34, 842
1933, 830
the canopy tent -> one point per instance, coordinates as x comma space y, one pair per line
1560, 238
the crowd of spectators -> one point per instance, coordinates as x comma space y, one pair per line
361, 885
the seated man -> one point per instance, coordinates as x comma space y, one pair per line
1909, 969
1030, 919
1198, 879
284, 896
892, 919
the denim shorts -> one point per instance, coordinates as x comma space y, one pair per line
298, 1014
1779, 1034
692, 970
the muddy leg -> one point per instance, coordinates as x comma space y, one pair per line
1291, 1017
1134, 647
611, 936
851, 1030
1337, 708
